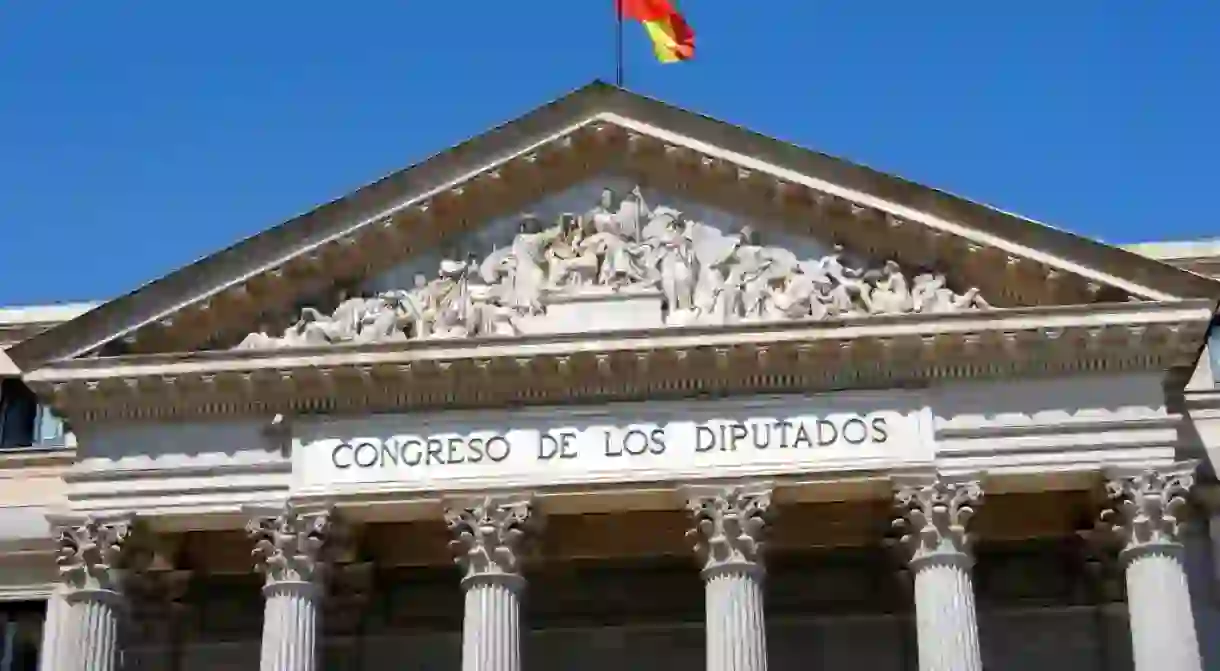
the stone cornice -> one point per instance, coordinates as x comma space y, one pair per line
748, 358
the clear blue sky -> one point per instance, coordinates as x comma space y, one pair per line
138, 136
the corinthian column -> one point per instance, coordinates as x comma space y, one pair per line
727, 530
291, 550
487, 544
94, 559
1145, 518
934, 516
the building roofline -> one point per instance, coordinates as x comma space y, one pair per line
48, 314
177, 289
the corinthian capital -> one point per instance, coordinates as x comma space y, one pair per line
291, 546
96, 555
488, 536
727, 528
1146, 507
933, 517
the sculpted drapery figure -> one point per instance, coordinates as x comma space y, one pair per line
706, 276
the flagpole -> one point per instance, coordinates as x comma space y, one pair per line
618, 43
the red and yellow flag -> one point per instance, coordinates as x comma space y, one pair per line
672, 38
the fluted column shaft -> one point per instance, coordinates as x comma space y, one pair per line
945, 615
94, 623
290, 625
488, 540
491, 630
727, 530
1145, 518
54, 629
935, 516
291, 550
93, 558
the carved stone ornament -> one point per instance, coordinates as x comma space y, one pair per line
293, 546
96, 555
707, 276
933, 518
727, 529
489, 536
1146, 508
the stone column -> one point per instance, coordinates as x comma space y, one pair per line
727, 531
54, 629
488, 540
291, 550
934, 517
94, 560
1146, 519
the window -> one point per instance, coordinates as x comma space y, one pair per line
21, 634
48, 427
23, 421
18, 408
1213, 350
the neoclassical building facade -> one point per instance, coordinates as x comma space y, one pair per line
615, 384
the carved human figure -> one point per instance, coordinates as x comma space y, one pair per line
675, 261
413, 306
453, 308
601, 216
569, 263
931, 294
832, 264
343, 324
631, 215
392, 321
260, 340
795, 299
706, 275
526, 262
615, 239
889, 293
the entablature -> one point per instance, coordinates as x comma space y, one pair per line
877, 351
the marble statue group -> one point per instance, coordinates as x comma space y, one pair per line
706, 276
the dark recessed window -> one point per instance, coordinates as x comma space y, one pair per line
21, 634
18, 414
24, 422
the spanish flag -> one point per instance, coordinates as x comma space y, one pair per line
672, 38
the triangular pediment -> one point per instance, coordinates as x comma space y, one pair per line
608, 255
944, 253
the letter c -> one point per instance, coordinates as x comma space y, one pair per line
334, 455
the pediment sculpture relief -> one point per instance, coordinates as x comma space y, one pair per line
704, 275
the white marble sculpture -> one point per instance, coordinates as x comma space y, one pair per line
706, 276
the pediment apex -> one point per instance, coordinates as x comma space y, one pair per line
595, 130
